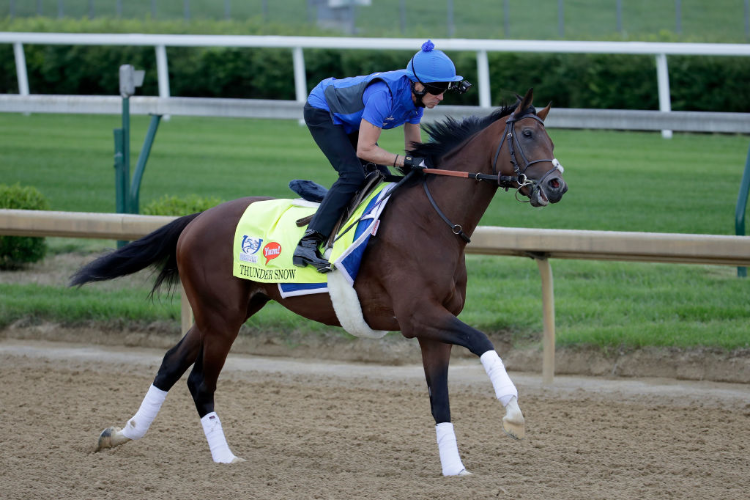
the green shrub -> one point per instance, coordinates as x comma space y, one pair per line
15, 251
172, 205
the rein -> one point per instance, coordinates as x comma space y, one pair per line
517, 181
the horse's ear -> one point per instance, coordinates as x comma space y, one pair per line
542, 113
525, 102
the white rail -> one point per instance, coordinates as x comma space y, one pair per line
297, 44
541, 244
621, 119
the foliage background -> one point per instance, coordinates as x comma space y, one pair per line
601, 81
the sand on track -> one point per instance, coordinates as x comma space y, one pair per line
343, 430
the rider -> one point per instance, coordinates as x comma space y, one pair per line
346, 117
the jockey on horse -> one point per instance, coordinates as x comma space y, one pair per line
346, 118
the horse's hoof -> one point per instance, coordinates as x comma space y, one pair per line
513, 421
111, 437
464, 472
237, 460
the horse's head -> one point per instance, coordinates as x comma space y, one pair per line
531, 167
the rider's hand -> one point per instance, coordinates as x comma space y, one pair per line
415, 163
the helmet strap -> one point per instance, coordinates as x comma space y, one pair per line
418, 95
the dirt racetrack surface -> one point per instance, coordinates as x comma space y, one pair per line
337, 430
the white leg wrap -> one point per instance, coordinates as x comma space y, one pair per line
504, 388
448, 447
220, 451
138, 425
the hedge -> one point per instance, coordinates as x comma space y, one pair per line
705, 83
16, 251
173, 205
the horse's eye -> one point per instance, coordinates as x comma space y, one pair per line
527, 133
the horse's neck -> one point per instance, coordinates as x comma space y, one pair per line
464, 201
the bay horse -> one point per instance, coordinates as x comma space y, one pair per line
412, 279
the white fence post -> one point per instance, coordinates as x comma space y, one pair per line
483, 73
662, 77
162, 73
300, 79
23, 78
162, 70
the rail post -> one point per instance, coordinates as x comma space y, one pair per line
21, 73
739, 212
662, 77
483, 73
548, 318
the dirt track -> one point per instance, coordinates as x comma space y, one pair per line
335, 430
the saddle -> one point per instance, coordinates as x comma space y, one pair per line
312, 191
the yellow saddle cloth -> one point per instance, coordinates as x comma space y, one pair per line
267, 235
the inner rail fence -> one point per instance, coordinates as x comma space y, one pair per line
297, 44
539, 244
679, 121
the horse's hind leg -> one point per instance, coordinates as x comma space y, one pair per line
220, 324
176, 361
202, 384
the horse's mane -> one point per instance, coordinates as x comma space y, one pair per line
448, 134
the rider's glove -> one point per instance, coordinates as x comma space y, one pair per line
415, 163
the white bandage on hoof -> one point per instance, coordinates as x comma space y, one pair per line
504, 388
220, 451
448, 447
138, 425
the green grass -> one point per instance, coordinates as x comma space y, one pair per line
718, 20
618, 181
613, 303
85, 304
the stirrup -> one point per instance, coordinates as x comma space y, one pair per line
307, 252
321, 265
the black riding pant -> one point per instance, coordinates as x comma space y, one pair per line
341, 150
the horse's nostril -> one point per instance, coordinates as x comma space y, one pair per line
554, 184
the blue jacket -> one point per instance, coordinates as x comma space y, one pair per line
383, 99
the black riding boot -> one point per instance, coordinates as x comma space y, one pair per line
307, 252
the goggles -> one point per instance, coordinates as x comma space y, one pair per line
437, 88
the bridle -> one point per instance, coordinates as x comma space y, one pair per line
518, 181
520, 178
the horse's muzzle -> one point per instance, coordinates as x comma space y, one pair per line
550, 190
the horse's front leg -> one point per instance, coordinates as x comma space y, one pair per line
435, 358
444, 327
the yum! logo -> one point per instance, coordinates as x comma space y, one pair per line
271, 251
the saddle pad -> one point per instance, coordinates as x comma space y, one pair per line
267, 235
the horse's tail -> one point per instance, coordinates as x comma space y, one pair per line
158, 249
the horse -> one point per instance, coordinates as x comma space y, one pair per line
412, 278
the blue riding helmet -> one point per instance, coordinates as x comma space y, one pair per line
431, 65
